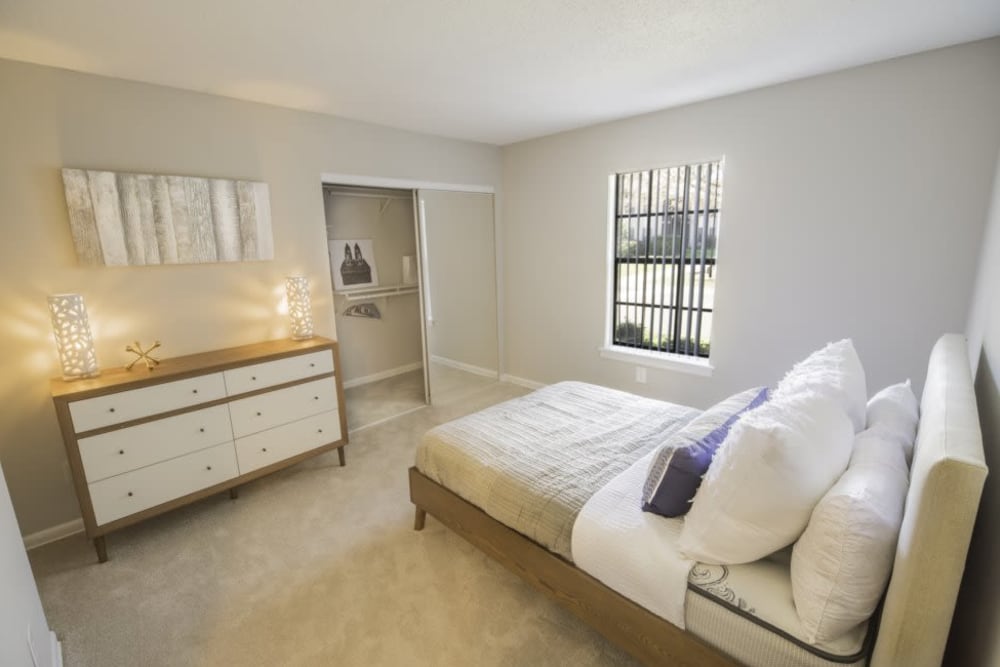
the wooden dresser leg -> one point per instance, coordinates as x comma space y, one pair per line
419, 518
234, 493
340, 453
102, 549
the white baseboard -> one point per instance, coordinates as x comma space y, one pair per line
382, 375
468, 368
56, 650
43, 537
521, 382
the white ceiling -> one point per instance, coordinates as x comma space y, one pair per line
496, 71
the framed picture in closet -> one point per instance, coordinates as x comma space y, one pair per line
352, 262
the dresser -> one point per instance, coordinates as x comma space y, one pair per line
142, 442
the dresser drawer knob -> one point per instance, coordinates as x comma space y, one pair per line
111, 409
263, 449
319, 430
194, 391
129, 494
208, 467
312, 365
315, 398
202, 430
258, 414
121, 451
253, 377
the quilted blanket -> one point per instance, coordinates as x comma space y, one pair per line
533, 462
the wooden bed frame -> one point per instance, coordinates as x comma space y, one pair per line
651, 639
946, 481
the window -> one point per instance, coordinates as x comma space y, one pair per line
666, 231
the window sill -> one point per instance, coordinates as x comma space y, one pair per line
665, 360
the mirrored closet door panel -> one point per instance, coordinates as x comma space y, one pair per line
458, 262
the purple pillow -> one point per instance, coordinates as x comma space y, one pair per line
676, 471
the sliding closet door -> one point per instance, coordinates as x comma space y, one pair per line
458, 262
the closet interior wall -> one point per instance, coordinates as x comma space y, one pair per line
375, 348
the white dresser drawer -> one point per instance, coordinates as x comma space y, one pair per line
264, 411
124, 406
132, 492
258, 376
135, 447
277, 444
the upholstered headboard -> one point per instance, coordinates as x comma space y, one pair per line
946, 482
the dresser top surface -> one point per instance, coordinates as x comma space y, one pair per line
117, 378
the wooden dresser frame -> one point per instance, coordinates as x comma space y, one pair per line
118, 379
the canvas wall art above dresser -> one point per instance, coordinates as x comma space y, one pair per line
141, 442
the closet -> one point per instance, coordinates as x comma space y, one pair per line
414, 279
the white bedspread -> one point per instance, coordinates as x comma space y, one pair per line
649, 570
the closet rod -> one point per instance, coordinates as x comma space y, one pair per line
367, 293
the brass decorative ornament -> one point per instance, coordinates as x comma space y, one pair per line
142, 355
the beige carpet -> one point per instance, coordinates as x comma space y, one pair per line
377, 401
371, 403
450, 384
317, 565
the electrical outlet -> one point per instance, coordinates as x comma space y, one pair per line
640, 374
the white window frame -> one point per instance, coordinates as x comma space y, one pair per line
682, 363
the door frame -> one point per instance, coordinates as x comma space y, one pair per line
402, 183
334, 178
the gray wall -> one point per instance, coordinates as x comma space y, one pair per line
20, 607
369, 346
975, 638
53, 118
853, 206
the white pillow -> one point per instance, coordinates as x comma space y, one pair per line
776, 463
841, 564
895, 410
835, 370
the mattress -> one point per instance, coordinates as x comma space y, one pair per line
532, 462
745, 611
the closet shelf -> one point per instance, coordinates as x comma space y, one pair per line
373, 292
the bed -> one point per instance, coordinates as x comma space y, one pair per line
537, 484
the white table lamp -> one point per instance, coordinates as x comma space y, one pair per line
299, 307
73, 337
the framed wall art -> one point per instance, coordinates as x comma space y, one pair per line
352, 262
123, 219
